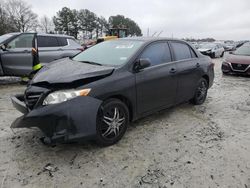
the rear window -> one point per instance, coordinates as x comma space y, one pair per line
181, 51
47, 41
62, 41
193, 54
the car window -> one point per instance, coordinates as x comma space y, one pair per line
5, 37
47, 41
157, 53
110, 53
181, 51
193, 54
74, 42
62, 41
22, 41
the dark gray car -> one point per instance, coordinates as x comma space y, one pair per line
15, 51
98, 92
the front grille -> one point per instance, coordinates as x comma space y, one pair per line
240, 67
32, 98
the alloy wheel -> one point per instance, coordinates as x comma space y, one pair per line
113, 121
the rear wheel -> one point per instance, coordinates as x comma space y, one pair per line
222, 54
200, 92
112, 122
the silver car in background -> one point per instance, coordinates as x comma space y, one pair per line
212, 49
15, 51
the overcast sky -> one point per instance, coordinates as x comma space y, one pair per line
220, 19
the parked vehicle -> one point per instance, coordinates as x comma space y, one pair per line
212, 49
229, 45
195, 44
15, 51
98, 92
237, 62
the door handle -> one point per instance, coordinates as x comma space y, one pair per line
26, 51
172, 70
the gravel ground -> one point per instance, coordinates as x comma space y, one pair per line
185, 146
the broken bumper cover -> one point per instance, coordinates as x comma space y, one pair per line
66, 121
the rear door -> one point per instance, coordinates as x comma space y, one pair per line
188, 67
156, 85
49, 48
17, 58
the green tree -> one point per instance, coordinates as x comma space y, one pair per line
88, 21
102, 25
120, 21
66, 21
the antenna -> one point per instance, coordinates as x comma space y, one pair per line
154, 34
159, 34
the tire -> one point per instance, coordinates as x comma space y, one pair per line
112, 122
222, 54
200, 92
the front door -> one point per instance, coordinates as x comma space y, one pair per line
156, 85
17, 58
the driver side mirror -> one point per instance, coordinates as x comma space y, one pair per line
3, 47
142, 64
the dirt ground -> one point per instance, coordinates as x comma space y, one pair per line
185, 146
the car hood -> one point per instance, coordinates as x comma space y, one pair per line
65, 71
204, 49
239, 59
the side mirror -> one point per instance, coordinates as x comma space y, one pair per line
3, 47
142, 64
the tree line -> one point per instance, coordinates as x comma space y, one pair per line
17, 16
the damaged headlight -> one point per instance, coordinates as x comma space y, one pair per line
61, 96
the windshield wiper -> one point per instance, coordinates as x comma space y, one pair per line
92, 63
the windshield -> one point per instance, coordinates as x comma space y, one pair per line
207, 46
111, 53
244, 50
5, 37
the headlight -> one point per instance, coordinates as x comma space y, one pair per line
225, 62
61, 96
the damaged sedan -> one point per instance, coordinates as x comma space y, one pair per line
97, 93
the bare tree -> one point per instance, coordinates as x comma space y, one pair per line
46, 24
21, 15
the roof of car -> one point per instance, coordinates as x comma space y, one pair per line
152, 39
44, 34
149, 39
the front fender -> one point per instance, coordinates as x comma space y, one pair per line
72, 119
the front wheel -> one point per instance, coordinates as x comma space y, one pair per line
200, 92
112, 122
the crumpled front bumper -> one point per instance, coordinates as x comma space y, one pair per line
66, 121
